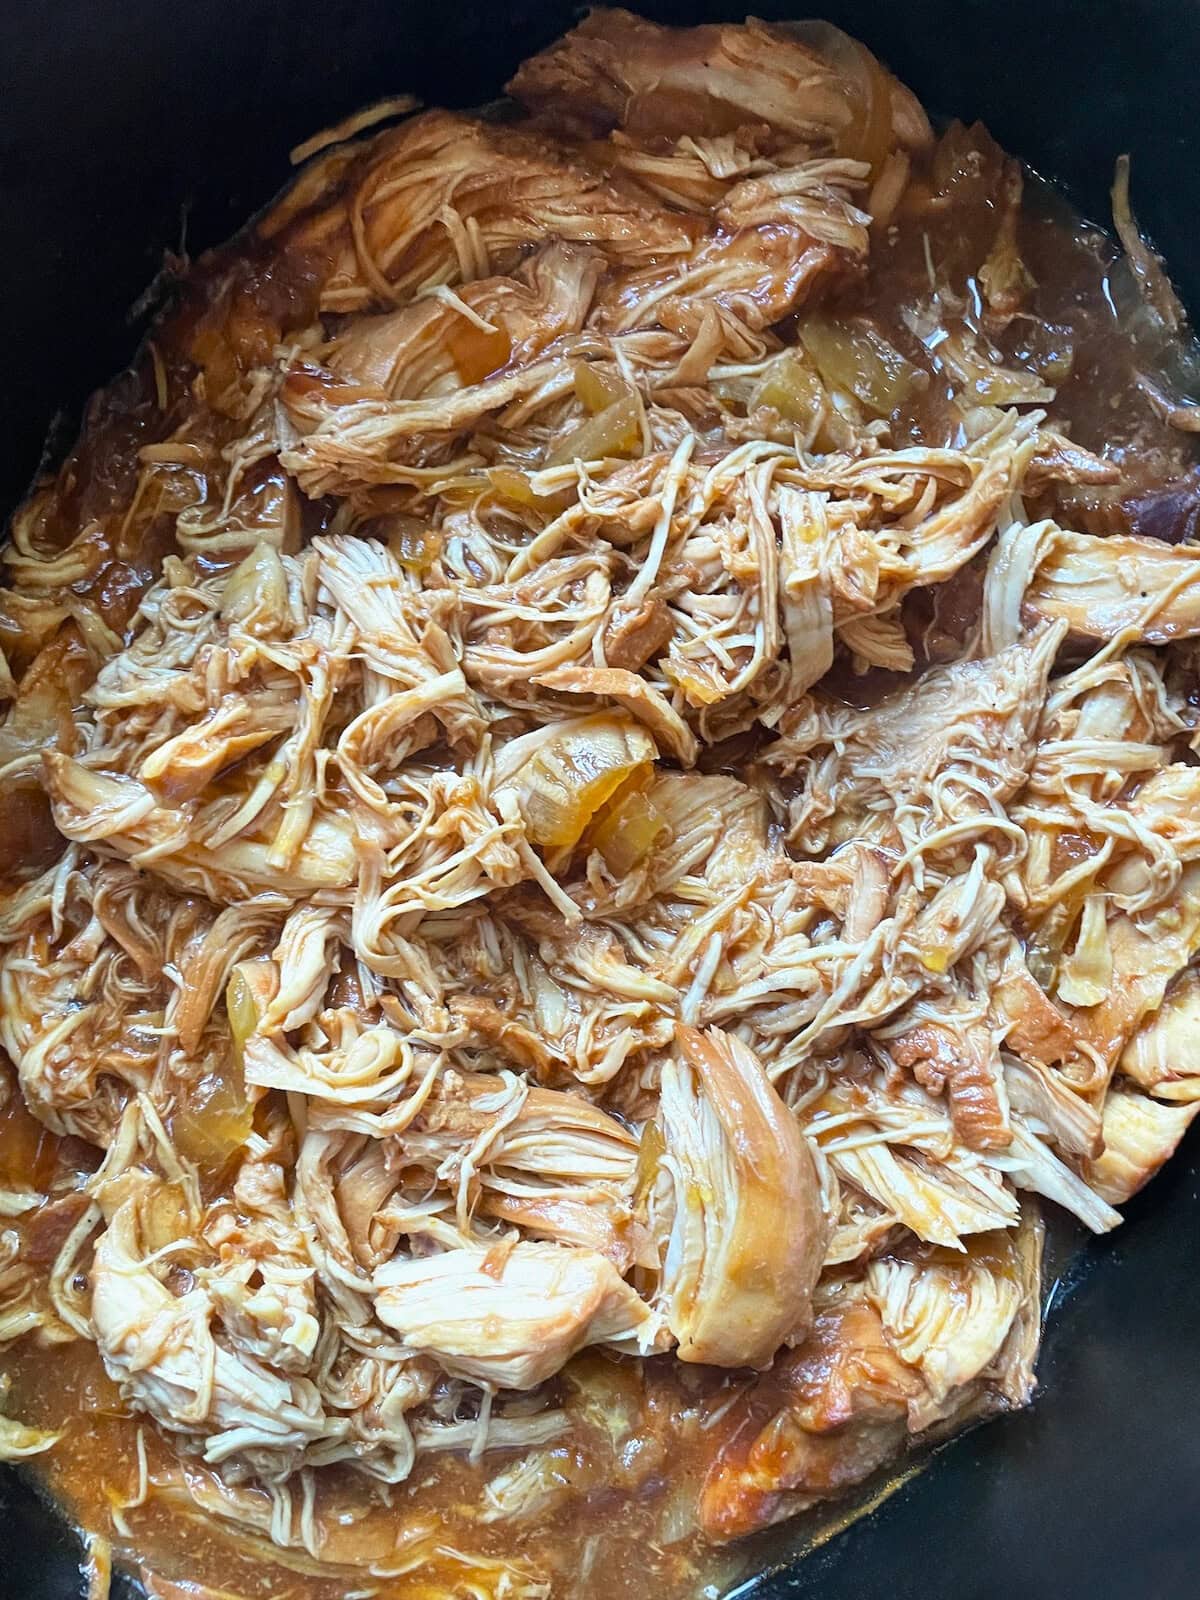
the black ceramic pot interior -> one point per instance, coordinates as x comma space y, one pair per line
131, 126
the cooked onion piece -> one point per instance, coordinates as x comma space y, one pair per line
562, 775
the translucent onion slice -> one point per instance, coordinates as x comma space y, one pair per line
698, 689
217, 1119
256, 593
570, 775
986, 380
596, 390
629, 826
217, 1116
249, 992
415, 545
869, 136
516, 486
792, 388
615, 431
651, 1149
477, 352
854, 357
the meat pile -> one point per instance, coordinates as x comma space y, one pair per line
483, 924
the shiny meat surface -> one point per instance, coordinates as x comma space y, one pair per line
600, 796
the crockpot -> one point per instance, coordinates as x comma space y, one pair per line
133, 127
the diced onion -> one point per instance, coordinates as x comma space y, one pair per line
477, 353
595, 390
415, 545
792, 388
247, 995
256, 593
217, 1115
216, 1119
516, 486
698, 690
936, 958
651, 1149
852, 356
513, 485
629, 826
615, 431
164, 1213
569, 776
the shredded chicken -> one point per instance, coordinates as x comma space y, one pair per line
522, 886
748, 1233
511, 1316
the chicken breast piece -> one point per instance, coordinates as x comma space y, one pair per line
948, 1316
161, 1349
825, 1416
446, 198
1102, 586
121, 815
749, 1231
758, 275
511, 1315
1163, 1057
1140, 1134
866, 771
440, 342
619, 70
633, 694
1146, 956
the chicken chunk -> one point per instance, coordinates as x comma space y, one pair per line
749, 1231
514, 1314
1146, 956
439, 343
865, 772
947, 1317
1163, 1056
1140, 1134
963, 1061
825, 1417
1103, 586
619, 70
121, 816
758, 275
446, 198
160, 1347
